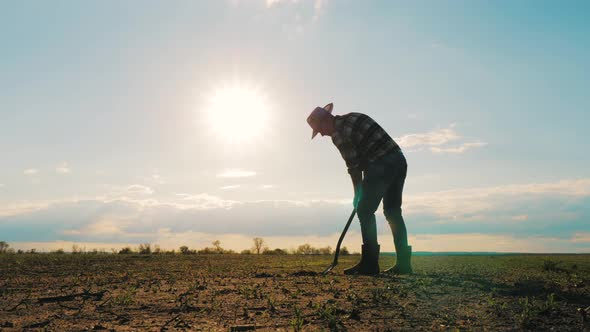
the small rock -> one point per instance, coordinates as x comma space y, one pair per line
263, 275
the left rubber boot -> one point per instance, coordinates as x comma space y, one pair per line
369, 264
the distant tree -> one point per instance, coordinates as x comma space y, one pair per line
217, 245
344, 251
277, 251
3, 247
59, 251
145, 249
258, 244
76, 249
184, 250
157, 249
208, 250
125, 251
304, 249
246, 252
325, 251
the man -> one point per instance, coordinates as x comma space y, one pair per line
367, 148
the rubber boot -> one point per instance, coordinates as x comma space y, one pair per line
369, 264
403, 263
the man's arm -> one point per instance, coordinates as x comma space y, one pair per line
350, 156
357, 179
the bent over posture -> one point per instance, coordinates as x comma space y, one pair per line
378, 170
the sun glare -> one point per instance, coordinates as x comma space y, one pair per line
238, 113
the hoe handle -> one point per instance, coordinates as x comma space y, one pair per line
337, 252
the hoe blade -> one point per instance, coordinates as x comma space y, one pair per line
329, 268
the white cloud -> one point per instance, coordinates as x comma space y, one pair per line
577, 187
522, 210
437, 141
100, 227
488, 200
236, 173
22, 208
432, 138
267, 186
457, 149
137, 189
31, 171
110, 226
63, 168
450, 204
204, 202
583, 237
235, 186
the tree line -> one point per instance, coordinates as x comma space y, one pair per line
258, 248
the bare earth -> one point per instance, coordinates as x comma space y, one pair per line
284, 293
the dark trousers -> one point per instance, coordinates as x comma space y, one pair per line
383, 180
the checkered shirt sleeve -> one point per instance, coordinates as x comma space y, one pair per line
348, 151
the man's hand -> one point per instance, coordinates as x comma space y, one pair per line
357, 180
356, 199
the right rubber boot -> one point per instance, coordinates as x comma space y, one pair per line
369, 264
403, 263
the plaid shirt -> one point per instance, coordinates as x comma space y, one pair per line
360, 140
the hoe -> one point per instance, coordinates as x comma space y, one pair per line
337, 252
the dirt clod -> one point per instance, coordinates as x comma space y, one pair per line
304, 274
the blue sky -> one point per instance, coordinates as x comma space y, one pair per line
107, 137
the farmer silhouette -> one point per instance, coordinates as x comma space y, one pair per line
368, 150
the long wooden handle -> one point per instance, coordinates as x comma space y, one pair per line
337, 252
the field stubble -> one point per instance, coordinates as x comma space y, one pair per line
284, 292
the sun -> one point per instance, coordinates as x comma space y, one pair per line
238, 113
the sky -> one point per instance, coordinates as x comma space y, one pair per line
183, 122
